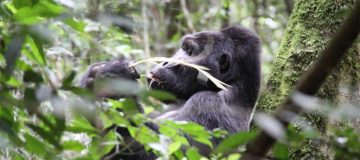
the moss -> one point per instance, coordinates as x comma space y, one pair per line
310, 27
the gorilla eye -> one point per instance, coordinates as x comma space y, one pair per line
190, 46
224, 63
187, 48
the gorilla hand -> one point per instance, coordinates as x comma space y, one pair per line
108, 72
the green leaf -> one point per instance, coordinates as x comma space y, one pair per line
235, 156
2, 58
21, 3
34, 145
96, 149
37, 52
218, 133
16, 155
35, 13
79, 124
113, 116
46, 135
76, 24
73, 145
107, 142
193, 154
280, 151
27, 15
168, 131
225, 3
68, 79
130, 106
22, 65
196, 131
13, 82
143, 134
161, 95
234, 141
174, 147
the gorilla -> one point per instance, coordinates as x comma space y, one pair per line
232, 56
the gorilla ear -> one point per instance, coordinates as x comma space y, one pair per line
224, 63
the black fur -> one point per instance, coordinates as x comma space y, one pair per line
232, 55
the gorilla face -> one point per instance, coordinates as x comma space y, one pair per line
212, 49
176, 79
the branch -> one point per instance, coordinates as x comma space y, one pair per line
225, 20
187, 16
289, 6
311, 81
145, 31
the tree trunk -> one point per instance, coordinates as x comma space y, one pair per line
310, 27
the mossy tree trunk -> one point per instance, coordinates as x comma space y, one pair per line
310, 27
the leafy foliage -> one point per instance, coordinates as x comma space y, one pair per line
44, 115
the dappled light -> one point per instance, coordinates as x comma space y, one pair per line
179, 79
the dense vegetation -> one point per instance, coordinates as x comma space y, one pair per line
46, 45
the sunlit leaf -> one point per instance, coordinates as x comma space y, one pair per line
105, 147
79, 124
143, 134
76, 24
27, 15
21, 3
168, 131
196, 131
161, 95
174, 147
37, 52
45, 135
73, 145
234, 141
235, 156
193, 154
13, 82
35, 145
35, 13
17, 156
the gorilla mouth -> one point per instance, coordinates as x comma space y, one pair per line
154, 81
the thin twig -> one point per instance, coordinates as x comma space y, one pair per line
145, 32
187, 16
